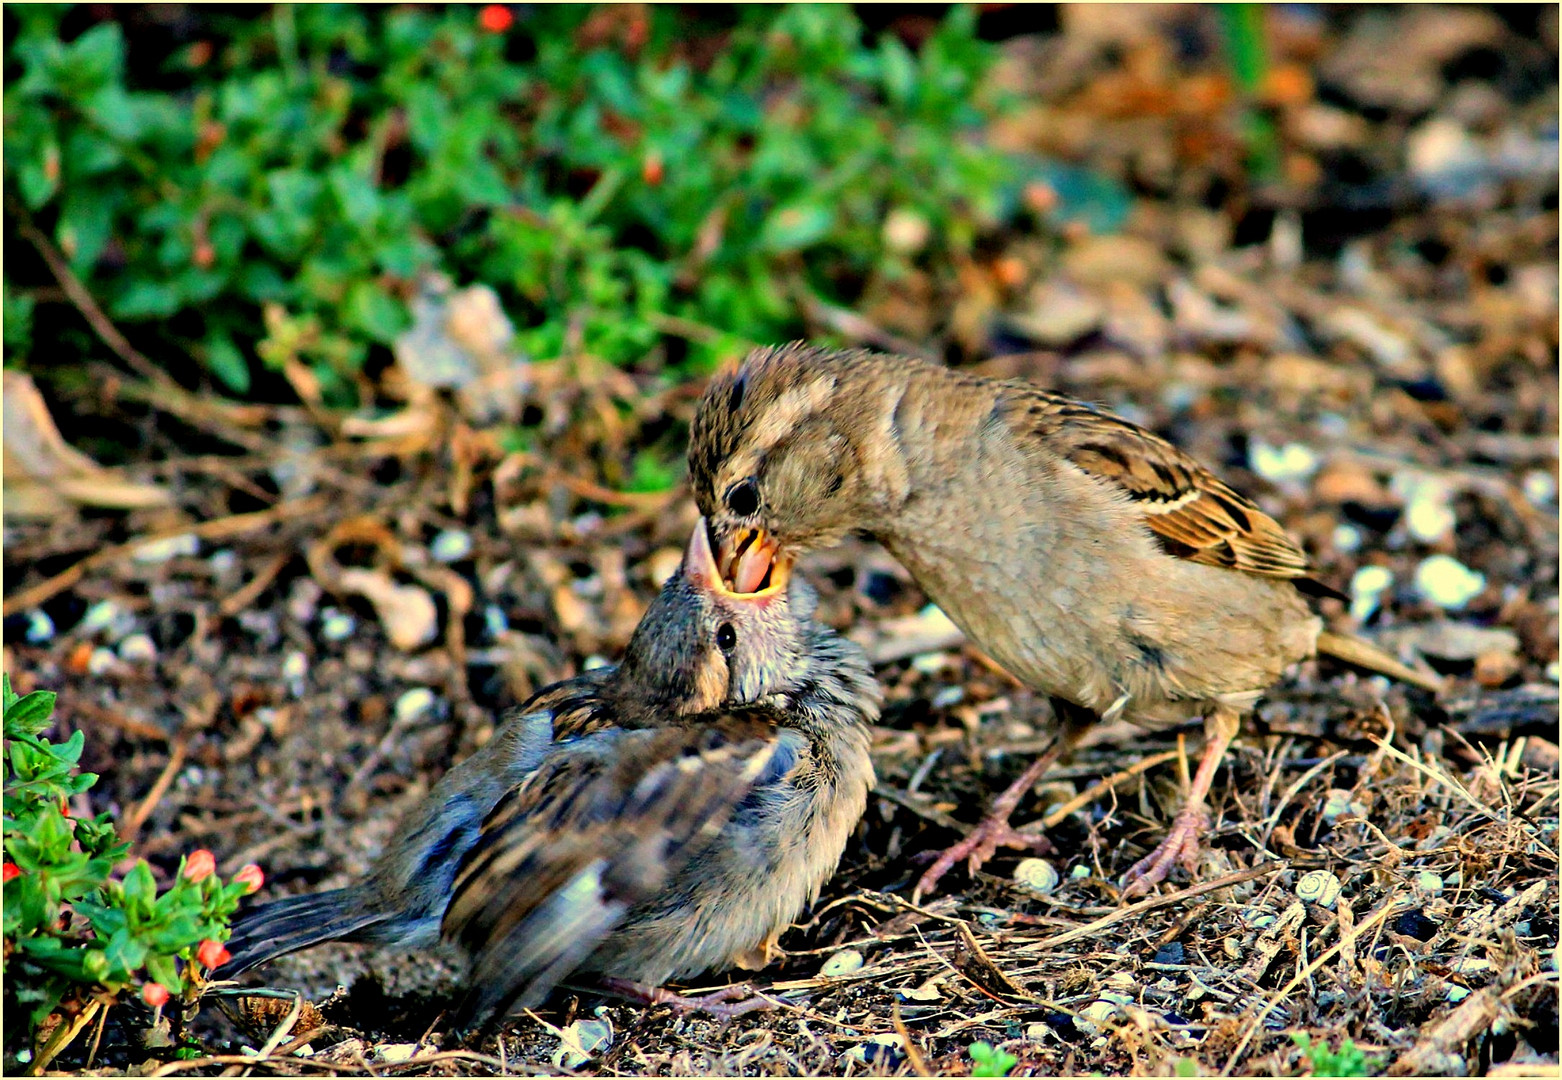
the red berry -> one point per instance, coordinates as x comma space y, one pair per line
12, 870
200, 865
496, 18
211, 954
154, 994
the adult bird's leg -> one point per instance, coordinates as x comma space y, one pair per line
1192, 821
717, 1003
994, 831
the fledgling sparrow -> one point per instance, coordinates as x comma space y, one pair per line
641, 823
1091, 558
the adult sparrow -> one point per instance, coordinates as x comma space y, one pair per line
640, 824
1091, 558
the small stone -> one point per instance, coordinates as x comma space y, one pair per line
101, 662
40, 628
494, 621
594, 661
451, 545
906, 231
1429, 883
170, 547
1470, 965
1367, 584
842, 963
336, 625
1037, 875
1337, 803
1078, 872
1094, 1015
224, 563
1293, 461
101, 616
1447, 582
395, 1053
1540, 488
137, 649
1493, 669
1458, 993
1347, 538
948, 696
414, 704
1319, 887
1429, 518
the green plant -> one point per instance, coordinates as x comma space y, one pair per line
75, 935
1346, 1061
988, 1060
645, 182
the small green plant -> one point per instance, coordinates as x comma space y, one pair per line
988, 1060
77, 937
1186, 1067
1346, 1061
639, 183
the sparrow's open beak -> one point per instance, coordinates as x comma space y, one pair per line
751, 567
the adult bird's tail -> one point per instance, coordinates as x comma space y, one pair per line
297, 922
1353, 650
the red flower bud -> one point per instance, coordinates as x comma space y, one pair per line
12, 870
652, 169
251, 876
200, 865
211, 954
496, 18
154, 994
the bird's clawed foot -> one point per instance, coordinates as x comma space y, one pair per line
1181, 845
726, 1003
979, 845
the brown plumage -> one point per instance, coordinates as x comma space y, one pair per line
643, 823
1093, 559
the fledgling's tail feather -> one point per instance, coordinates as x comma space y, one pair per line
293, 923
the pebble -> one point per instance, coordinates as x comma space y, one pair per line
337, 625
103, 615
1347, 538
1079, 872
1447, 582
1429, 883
594, 661
294, 667
1445, 159
1319, 887
1540, 488
170, 547
1337, 803
395, 1053
1458, 993
1293, 461
842, 963
1470, 965
948, 696
494, 621
1037, 875
224, 563
137, 649
451, 545
906, 231
40, 628
414, 704
1429, 518
1094, 1015
1367, 585
101, 662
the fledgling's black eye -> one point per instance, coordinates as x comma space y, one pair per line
743, 498
726, 638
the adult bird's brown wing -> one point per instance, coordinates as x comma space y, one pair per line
1192, 512
601, 825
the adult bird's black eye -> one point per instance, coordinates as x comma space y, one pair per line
726, 638
743, 498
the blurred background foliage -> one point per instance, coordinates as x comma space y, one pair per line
653, 186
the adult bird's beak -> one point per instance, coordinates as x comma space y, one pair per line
752, 569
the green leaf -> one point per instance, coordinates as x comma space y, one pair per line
796, 226
375, 312
224, 360
147, 299
990, 1061
29, 714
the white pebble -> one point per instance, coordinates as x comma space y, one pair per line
101, 616
395, 1053
1367, 585
948, 696
295, 665
1539, 487
594, 661
1338, 803
1429, 518
1094, 1015
1347, 537
40, 627
1447, 582
159, 551
101, 662
1458, 993
1293, 461
1319, 887
414, 704
137, 649
1429, 883
336, 625
494, 620
450, 546
929, 663
842, 963
1079, 872
223, 562
1037, 875
1470, 965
